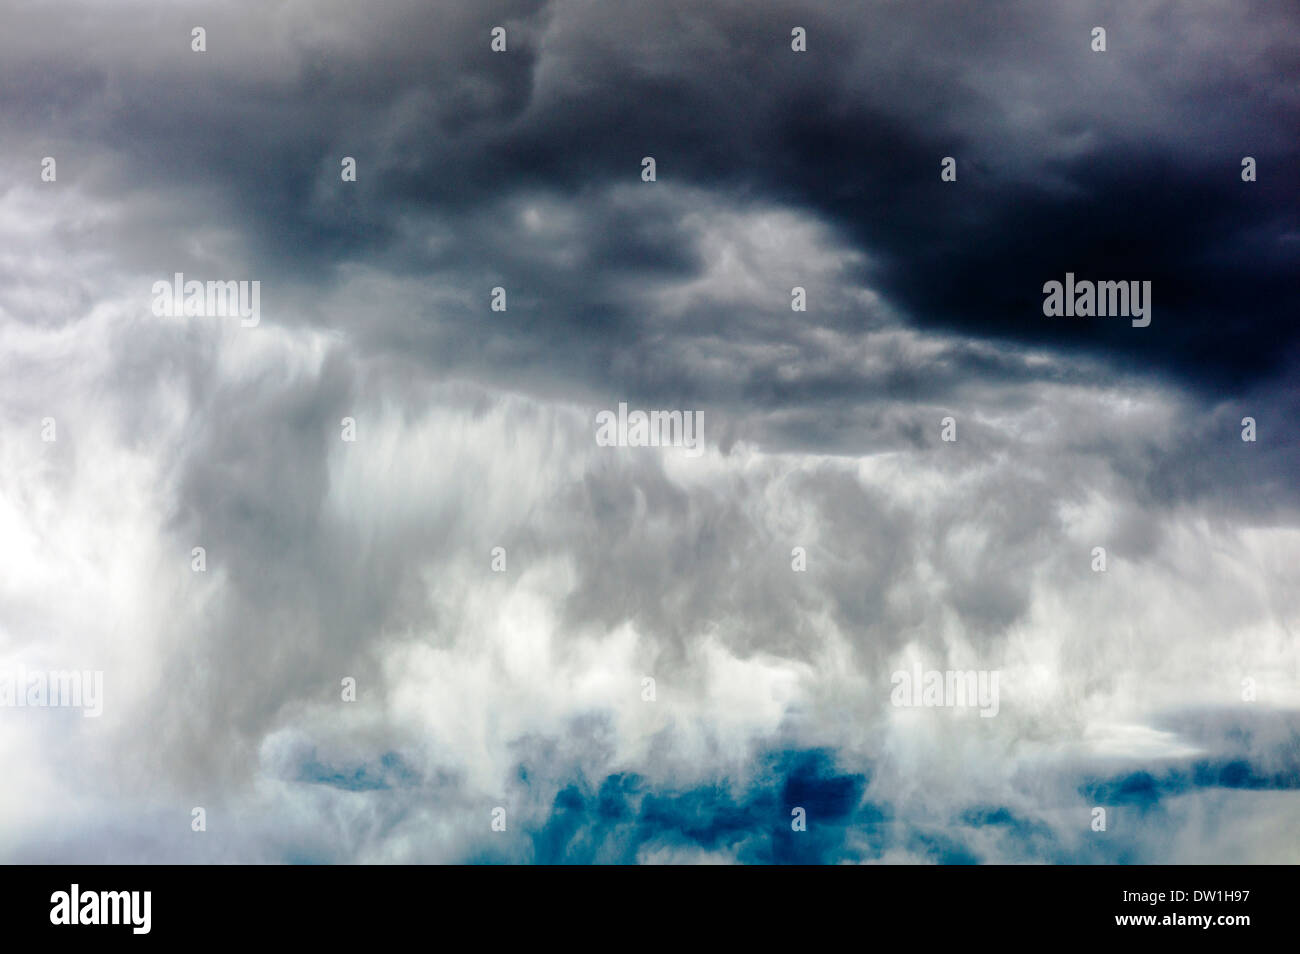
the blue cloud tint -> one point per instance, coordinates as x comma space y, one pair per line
389, 772
621, 818
613, 820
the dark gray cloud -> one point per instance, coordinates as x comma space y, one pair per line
1116, 165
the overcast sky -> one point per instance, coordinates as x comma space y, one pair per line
1163, 689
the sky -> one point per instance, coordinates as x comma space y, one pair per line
435, 619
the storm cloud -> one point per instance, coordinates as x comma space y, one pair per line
499, 586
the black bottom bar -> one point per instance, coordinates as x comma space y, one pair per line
376, 904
